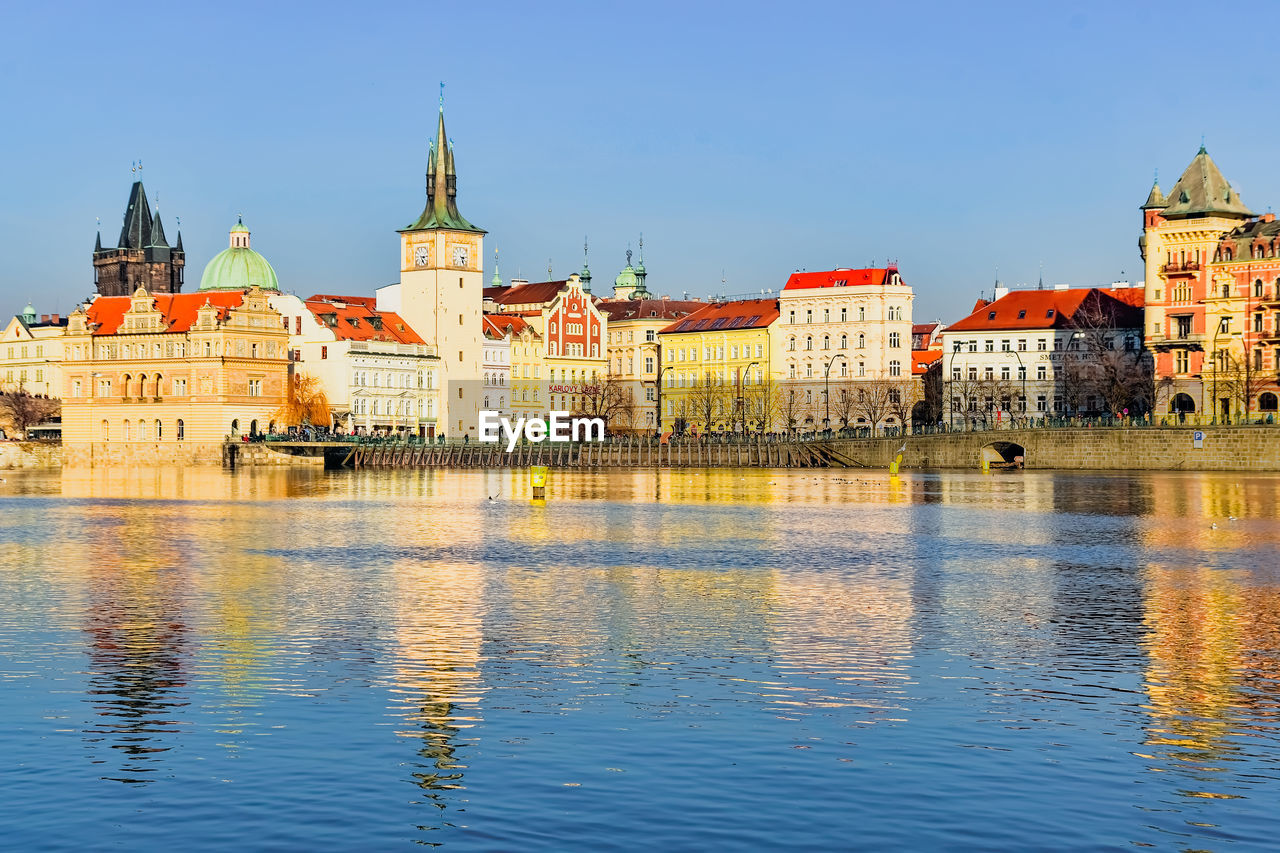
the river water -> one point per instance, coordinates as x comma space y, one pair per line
683, 660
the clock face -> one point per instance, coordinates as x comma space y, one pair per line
460, 256
422, 256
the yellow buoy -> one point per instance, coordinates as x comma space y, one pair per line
538, 480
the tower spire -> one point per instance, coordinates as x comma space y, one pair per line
585, 275
497, 279
441, 210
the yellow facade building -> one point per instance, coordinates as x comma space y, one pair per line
168, 377
716, 369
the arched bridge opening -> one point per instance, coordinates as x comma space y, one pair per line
1004, 454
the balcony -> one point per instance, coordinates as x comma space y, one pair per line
1177, 268
1177, 340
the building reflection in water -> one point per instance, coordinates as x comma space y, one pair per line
1214, 649
138, 644
438, 688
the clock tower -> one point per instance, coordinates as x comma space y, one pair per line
441, 284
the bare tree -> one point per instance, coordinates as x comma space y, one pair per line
760, 404
610, 399
1105, 359
306, 403
903, 396
791, 408
873, 400
844, 403
709, 401
23, 410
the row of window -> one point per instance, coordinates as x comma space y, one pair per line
146, 430
388, 379
649, 364
573, 350
1042, 345
895, 342
176, 349
23, 349
616, 337
715, 353
894, 313
145, 386
390, 408
690, 379
22, 375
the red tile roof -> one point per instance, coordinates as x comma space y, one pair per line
727, 317
499, 324
179, 309
536, 293
1053, 309
356, 320
833, 278
922, 358
641, 309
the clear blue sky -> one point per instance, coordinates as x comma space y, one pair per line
753, 139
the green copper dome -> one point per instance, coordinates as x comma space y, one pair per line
238, 267
29, 313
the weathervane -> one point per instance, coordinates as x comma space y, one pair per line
441, 96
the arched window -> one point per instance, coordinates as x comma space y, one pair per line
844, 342
253, 427
826, 342
235, 426
106, 430
862, 341
486, 401
808, 342
142, 386
127, 434
124, 384
159, 431
1267, 402
156, 387
791, 344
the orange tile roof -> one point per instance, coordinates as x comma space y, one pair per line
727, 317
357, 320
499, 324
832, 278
179, 309
1052, 309
922, 358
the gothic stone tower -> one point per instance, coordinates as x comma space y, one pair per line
441, 282
142, 257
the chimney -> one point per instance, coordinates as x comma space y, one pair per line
1062, 287
55, 318
44, 318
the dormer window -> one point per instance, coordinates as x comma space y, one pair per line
991, 315
1049, 313
355, 324
376, 322
1022, 315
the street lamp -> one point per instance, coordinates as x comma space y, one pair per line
1022, 371
658, 383
826, 378
742, 378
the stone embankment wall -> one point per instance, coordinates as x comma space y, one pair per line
1254, 448
98, 454
258, 455
30, 454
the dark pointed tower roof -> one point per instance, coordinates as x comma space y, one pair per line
1155, 199
136, 233
97, 244
442, 206
1203, 191
157, 233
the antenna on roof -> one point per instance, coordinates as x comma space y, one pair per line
1040, 286
549, 276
